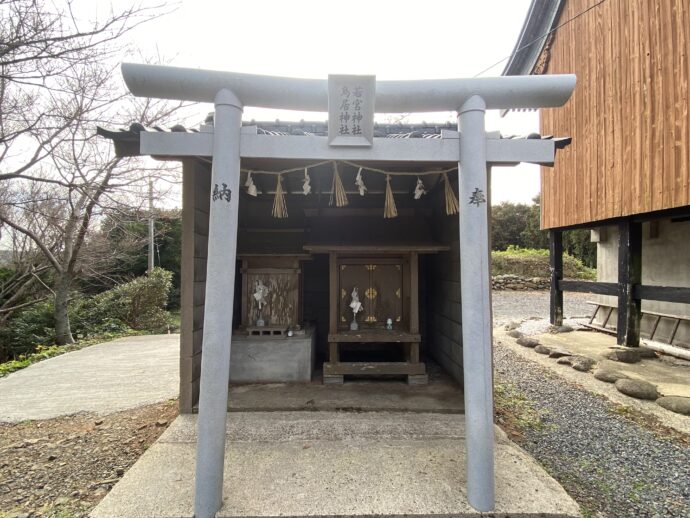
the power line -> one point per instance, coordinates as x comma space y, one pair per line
541, 37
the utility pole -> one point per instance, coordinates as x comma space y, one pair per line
151, 228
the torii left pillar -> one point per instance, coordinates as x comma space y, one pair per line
220, 289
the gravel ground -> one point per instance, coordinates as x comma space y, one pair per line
519, 305
612, 466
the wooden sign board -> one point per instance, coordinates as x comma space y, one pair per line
351, 110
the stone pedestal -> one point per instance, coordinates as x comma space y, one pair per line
259, 359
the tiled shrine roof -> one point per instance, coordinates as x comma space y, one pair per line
126, 140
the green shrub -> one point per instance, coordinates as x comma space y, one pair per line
138, 304
87, 319
33, 326
529, 262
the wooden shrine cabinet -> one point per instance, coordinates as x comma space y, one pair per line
387, 282
282, 277
383, 286
282, 349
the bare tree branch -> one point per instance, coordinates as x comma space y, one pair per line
38, 241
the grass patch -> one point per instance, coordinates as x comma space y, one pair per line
530, 262
514, 412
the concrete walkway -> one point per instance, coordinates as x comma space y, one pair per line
104, 378
333, 464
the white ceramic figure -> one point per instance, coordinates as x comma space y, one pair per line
260, 293
356, 306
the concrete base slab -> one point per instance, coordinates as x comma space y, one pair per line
441, 395
334, 464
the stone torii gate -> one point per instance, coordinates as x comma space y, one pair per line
473, 149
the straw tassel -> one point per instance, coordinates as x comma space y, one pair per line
389, 209
451, 200
338, 191
279, 207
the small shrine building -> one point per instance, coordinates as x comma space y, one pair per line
343, 248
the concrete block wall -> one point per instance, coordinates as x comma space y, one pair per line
665, 262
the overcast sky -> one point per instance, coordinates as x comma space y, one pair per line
309, 38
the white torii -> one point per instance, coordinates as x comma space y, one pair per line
476, 151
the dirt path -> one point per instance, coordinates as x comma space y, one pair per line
63, 467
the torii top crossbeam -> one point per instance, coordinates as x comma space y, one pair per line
230, 92
409, 96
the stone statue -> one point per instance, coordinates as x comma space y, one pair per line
356, 306
260, 293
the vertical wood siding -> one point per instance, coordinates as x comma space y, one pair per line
443, 304
196, 195
628, 115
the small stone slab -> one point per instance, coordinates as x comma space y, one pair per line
511, 325
527, 342
623, 355
542, 349
333, 379
515, 333
560, 329
637, 388
582, 363
646, 352
559, 353
565, 360
609, 376
677, 404
418, 379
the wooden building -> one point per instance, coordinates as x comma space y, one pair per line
626, 174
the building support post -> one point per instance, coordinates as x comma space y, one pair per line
629, 275
556, 267
475, 283
220, 288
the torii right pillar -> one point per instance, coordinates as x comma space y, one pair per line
475, 286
